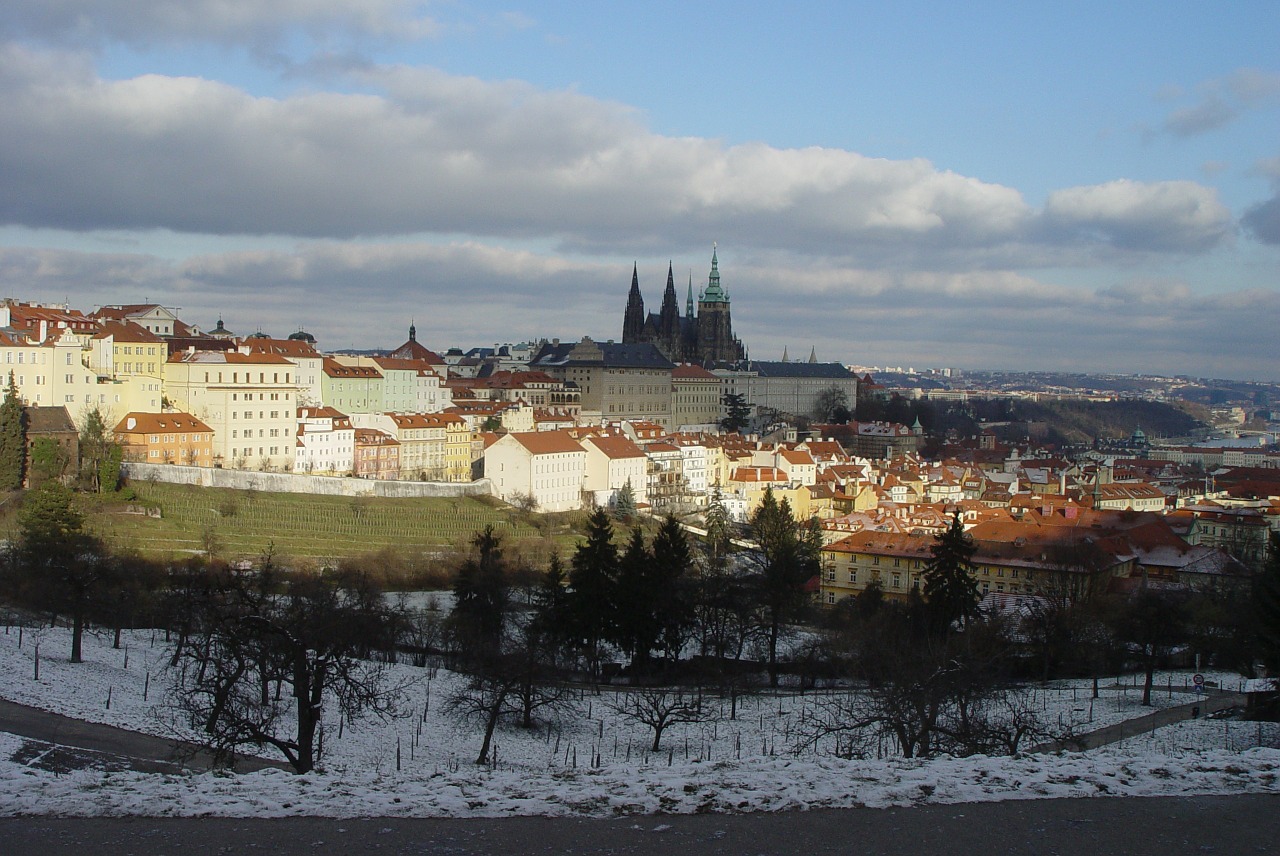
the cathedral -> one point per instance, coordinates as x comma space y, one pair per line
705, 338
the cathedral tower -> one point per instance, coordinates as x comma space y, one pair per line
633, 321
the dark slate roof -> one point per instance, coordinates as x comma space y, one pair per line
49, 420
639, 356
835, 371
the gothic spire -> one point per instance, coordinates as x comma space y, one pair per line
688, 303
633, 321
714, 293
669, 315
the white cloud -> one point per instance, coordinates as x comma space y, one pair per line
442, 154
143, 22
1169, 216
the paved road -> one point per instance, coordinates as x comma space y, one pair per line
1091, 827
1201, 707
114, 747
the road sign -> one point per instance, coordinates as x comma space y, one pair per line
1198, 680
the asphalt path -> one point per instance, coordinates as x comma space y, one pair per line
1203, 706
1247, 824
106, 745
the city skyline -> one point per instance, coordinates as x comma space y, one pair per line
1086, 189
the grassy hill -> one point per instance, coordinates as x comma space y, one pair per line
317, 529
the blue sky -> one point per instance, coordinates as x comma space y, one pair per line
1091, 186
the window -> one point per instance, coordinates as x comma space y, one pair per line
853, 575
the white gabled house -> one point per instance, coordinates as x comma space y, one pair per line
548, 467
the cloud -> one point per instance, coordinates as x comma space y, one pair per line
361, 294
1210, 114
1168, 216
1263, 220
425, 152
143, 22
1221, 101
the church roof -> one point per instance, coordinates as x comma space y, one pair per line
591, 353
766, 368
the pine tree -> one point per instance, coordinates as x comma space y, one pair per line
624, 507
737, 413
480, 597
13, 439
950, 589
788, 555
590, 609
672, 563
636, 621
63, 568
1266, 607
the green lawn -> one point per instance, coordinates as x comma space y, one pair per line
244, 523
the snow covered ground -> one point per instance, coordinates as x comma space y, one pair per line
598, 766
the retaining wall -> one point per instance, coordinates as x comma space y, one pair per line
297, 483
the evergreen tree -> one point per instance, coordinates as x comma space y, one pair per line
480, 597
737, 413
13, 439
624, 507
62, 568
672, 563
636, 621
547, 624
590, 603
788, 556
1266, 607
950, 590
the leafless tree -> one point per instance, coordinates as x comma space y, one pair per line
311, 635
660, 708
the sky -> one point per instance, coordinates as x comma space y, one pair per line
991, 185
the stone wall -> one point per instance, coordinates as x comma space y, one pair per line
294, 483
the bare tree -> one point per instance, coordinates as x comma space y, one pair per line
660, 708
312, 635
516, 680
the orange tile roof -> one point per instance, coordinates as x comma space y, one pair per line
335, 369
615, 446
126, 331
153, 423
546, 442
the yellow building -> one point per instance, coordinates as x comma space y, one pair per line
135, 358
249, 400
165, 438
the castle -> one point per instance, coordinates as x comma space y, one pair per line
705, 338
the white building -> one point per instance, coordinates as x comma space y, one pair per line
547, 467
613, 461
326, 442
249, 400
